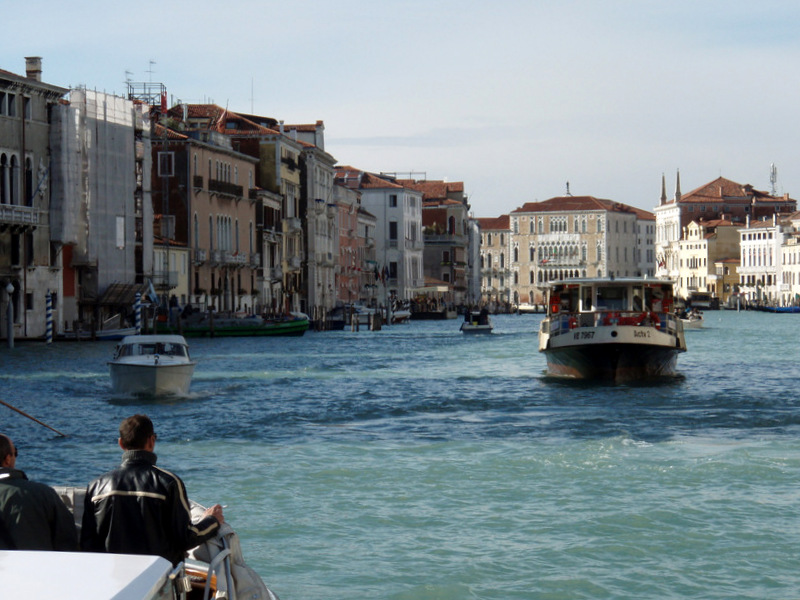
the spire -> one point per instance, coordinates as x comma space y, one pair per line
678, 187
663, 190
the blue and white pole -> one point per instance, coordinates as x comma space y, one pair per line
49, 334
137, 307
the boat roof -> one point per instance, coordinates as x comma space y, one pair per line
88, 575
151, 339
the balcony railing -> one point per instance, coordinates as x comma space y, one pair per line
200, 256
18, 215
225, 188
291, 225
165, 280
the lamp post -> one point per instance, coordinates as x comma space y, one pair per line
10, 315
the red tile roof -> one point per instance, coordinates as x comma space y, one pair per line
581, 204
725, 190
502, 222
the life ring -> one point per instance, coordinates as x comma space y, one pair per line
554, 308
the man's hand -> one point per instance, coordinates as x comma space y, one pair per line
216, 512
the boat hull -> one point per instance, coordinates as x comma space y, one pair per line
692, 323
470, 329
154, 379
615, 352
612, 362
225, 328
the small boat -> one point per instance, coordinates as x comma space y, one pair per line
152, 364
611, 329
215, 569
692, 320
477, 321
208, 324
777, 309
111, 329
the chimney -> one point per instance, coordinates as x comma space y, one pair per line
33, 67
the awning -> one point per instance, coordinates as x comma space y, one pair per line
122, 294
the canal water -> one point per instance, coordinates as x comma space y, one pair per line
418, 463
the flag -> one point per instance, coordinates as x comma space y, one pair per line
151, 294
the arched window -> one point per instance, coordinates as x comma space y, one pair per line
13, 180
28, 182
3, 179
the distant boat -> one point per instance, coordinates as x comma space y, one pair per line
529, 309
692, 321
110, 329
203, 324
778, 309
611, 329
477, 322
152, 364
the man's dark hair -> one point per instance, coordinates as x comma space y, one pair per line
5, 447
135, 431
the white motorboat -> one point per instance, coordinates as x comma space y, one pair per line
692, 320
477, 322
88, 575
152, 364
611, 329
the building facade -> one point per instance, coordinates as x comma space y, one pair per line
720, 199
398, 237
30, 255
496, 283
575, 236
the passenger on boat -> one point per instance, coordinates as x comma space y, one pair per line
139, 508
32, 516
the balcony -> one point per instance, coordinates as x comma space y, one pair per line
165, 280
292, 263
236, 259
276, 274
18, 218
197, 182
224, 188
255, 260
292, 225
200, 256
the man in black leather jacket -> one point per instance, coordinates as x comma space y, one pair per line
139, 508
32, 516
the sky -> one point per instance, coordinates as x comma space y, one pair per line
516, 98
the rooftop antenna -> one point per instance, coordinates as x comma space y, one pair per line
773, 179
128, 75
568, 193
150, 70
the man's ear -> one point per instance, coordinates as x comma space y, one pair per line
119, 441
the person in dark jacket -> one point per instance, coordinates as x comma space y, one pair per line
139, 508
32, 516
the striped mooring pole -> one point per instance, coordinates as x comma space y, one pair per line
49, 330
137, 307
